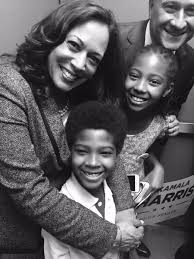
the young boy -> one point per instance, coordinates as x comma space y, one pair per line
95, 136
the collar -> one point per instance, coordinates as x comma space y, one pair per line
148, 39
79, 194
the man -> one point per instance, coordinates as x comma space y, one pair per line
171, 24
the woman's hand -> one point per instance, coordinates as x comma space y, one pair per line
128, 236
173, 125
130, 230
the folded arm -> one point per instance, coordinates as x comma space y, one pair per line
28, 186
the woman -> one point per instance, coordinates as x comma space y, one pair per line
70, 56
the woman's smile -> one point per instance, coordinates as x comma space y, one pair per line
76, 59
68, 75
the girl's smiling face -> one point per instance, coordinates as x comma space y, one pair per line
76, 60
146, 81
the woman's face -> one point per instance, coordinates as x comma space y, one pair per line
75, 60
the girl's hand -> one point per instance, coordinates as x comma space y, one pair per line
173, 126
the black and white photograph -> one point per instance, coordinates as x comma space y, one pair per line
96, 129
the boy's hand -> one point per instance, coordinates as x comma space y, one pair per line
173, 125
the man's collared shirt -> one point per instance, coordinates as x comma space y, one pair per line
148, 39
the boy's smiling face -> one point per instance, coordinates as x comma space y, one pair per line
93, 157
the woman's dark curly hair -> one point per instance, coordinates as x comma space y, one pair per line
167, 56
97, 115
32, 55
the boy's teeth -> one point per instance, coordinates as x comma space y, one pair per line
92, 174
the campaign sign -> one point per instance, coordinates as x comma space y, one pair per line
171, 201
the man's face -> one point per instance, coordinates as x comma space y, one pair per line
171, 22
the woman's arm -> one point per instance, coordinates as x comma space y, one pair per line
126, 217
29, 188
119, 185
23, 155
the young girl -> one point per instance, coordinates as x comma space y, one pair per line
148, 86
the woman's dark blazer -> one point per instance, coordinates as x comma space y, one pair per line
28, 172
133, 38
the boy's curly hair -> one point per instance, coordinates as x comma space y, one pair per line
97, 115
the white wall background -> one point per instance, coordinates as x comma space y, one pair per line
127, 10
17, 17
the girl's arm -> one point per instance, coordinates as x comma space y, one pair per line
156, 176
119, 185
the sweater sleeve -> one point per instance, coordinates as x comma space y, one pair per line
25, 182
119, 185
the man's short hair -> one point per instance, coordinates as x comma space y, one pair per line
97, 115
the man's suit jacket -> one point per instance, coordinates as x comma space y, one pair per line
133, 38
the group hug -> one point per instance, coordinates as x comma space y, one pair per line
81, 104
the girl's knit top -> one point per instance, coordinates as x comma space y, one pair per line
135, 146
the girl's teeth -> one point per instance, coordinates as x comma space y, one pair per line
137, 99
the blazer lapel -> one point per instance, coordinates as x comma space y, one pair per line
182, 57
133, 38
185, 61
185, 76
136, 34
54, 121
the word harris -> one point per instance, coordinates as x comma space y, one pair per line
171, 193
